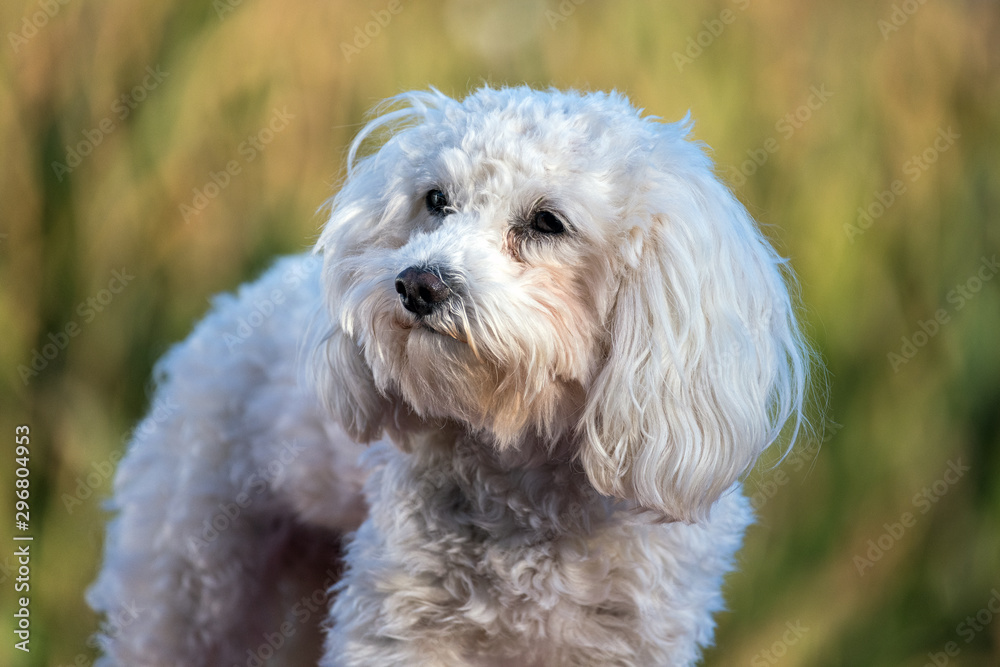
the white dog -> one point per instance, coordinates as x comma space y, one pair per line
569, 340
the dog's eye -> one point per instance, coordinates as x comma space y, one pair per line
547, 222
437, 203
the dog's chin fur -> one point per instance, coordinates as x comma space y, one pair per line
557, 442
440, 376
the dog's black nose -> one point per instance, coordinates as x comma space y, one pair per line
420, 289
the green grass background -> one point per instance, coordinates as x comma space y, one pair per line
226, 69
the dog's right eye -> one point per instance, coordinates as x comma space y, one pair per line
437, 203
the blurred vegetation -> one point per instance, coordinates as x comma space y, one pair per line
199, 79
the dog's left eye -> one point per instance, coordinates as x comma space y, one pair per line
547, 222
437, 203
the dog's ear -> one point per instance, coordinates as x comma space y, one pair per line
345, 383
705, 363
343, 377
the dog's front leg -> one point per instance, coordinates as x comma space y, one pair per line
389, 610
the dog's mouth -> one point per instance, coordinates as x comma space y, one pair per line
453, 332
448, 320
438, 328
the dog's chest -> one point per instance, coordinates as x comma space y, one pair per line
511, 561
477, 565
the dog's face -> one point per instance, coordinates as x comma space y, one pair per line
553, 265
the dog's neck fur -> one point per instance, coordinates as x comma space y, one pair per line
534, 491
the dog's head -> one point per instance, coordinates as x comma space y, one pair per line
555, 265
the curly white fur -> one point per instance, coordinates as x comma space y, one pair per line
565, 429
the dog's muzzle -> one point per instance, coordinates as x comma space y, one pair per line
421, 289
